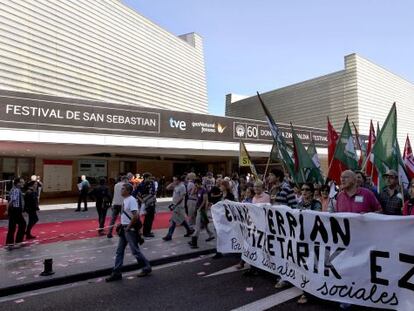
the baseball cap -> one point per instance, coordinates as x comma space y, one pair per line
391, 173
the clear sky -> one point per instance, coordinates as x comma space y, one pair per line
261, 45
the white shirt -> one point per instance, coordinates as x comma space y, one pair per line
129, 205
178, 194
118, 199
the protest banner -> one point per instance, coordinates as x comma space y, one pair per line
362, 259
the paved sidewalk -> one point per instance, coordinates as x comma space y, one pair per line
84, 259
91, 204
66, 211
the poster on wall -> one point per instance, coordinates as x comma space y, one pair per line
94, 169
57, 175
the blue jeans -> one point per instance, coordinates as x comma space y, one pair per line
129, 238
171, 229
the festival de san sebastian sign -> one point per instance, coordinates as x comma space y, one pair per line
43, 112
362, 259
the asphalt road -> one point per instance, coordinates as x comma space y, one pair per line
199, 284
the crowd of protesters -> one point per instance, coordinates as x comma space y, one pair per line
356, 194
192, 197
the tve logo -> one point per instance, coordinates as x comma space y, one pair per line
178, 124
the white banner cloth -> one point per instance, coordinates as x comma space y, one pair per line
359, 259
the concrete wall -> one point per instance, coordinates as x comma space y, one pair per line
378, 88
362, 91
99, 50
307, 103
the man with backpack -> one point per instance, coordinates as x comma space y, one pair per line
128, 232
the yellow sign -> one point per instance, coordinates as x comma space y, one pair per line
244, 159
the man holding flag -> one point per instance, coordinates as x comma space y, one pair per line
389, 163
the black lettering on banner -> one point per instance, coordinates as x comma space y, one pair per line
305, 281
260, 239
403, 282
373, 255
269, 241
360, 293
286, 271
280, 223
281, 241
302, 230
328, 261
252, 235
270, 222
302, 253
316, 250
337, 230
318, 227
228, 213
289, 251
235, 245
292, 224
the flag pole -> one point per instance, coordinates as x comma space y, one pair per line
267, 165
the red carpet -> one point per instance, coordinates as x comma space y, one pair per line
76, 229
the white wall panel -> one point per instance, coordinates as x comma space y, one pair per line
99, 50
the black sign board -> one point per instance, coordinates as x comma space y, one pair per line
44, 112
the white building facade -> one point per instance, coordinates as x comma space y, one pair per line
100, 50
362, 91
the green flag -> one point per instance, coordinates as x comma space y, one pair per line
345, 148
305, 169
386, 151
274, 157
278, 139
316, 173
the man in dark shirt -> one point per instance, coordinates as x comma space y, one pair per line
145, 193
392, 196
15, 213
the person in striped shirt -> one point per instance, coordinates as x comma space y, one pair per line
281, 193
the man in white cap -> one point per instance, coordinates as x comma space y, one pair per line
392, 196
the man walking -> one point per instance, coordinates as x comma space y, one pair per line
83, 187
128, 235
178, 215
146, 195
116, 204
15, 212
201, 218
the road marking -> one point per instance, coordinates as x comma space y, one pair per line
224, 271
48, 290
271, 301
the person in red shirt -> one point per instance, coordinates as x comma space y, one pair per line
354, 199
